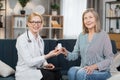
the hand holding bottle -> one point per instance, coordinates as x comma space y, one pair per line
52, 53
64, 51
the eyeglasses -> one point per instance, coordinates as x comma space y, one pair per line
36, 22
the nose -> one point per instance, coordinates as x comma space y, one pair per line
88, 20
36, 24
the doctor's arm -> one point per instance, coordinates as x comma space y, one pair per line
52, 53
24, 53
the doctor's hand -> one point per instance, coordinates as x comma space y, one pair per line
52, 53
49, 66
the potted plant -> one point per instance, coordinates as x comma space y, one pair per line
54, 8
23, 4
1, 5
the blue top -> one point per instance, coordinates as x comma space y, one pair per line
98, 51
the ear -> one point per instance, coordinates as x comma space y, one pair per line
28, 24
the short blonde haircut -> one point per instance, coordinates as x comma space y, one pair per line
97, 27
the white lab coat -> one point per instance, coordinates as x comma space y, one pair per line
30, 57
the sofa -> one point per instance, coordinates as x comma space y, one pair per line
8, 54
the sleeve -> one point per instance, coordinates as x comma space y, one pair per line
76, 51
108, 54
23, 52
45, 62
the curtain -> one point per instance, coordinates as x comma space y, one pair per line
72, 11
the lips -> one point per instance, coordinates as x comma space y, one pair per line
36, 28
88, 24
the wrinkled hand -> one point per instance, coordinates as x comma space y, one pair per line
64, 51
90, 69
49, 66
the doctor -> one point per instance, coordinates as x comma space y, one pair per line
30, 49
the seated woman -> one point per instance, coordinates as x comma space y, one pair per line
94, 47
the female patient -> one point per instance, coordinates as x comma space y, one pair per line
94, 47
30, 48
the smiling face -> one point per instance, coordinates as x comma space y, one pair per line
89, 21
35, 24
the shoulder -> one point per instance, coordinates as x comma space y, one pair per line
103, 33
22, 37
82, 36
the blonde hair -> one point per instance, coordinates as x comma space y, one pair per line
35, 14
97, 27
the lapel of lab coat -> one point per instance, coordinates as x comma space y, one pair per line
36, 49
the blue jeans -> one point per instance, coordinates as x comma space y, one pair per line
77, 73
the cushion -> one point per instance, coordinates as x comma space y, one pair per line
7, 78
5, 70
115, 64
115, 77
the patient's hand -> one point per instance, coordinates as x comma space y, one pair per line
64, 51
61, 49
91, 68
